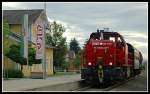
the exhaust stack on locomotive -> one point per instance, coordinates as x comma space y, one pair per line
107, 57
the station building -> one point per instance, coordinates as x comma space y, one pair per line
15, 18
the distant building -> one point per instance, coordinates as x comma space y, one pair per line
15, 20
71, 58
71, 55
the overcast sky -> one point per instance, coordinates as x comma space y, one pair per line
81, 19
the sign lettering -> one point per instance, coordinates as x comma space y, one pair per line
39, 41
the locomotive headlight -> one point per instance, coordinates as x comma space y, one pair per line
111, 56
110, 63
89, 63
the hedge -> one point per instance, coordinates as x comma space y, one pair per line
13, 73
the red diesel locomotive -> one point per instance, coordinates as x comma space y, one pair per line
107, 57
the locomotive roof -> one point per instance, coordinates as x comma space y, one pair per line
116, 33
107, 34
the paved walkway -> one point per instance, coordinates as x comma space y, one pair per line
25, 84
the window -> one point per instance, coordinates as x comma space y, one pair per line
119, 40
112, 38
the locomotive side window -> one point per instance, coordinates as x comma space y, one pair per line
119, 40
106, 38
119, 43
93, 36
112, 38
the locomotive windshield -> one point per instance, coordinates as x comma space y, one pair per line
107, 36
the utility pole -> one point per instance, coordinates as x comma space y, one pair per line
44, 58
24, 37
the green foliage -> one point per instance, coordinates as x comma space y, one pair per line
6, 33
49, 40
74, 45
65, 65
55, 38
13, 73
14, 54
142, 66
77, 60
16, 57
59, 55
32, 54
6, 30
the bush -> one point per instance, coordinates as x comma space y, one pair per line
13, 73
18, 58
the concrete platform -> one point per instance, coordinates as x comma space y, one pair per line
29, 84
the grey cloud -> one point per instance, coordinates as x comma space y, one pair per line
87, 17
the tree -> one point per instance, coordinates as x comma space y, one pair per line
74, 45
16, 57
6, 33
77, 60
55, 38
14, 54
65, 65
32, 59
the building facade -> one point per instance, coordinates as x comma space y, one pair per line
15, 20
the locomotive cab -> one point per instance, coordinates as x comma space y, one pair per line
105, 45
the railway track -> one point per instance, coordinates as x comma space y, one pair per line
82, 86
103, 88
